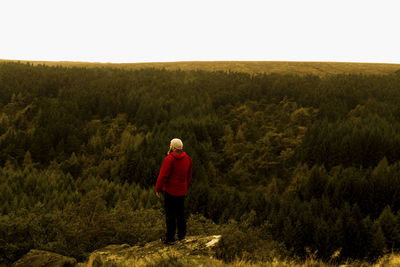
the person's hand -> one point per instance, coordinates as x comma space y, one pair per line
158, 194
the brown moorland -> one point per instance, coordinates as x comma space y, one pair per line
252, 67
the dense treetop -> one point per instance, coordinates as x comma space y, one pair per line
307, 161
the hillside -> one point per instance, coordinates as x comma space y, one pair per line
285, 166
252, 67
194, 251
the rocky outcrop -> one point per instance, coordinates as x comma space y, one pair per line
125, 255
40, 258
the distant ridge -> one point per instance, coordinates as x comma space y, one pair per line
252, 67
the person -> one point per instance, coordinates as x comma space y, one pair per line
174, 179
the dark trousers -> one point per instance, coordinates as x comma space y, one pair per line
174, 215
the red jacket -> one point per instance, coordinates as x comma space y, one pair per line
175, 174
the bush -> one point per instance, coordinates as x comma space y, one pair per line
237, 242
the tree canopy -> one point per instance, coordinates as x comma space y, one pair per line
310, 162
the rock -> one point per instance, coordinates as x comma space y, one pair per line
126, 255
41, 258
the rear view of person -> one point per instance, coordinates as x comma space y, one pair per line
174, 180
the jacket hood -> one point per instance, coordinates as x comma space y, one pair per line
178, 155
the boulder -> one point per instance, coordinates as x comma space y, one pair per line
126, 255
193, 248
41, 258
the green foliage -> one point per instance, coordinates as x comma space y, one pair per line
389, 225
239, 241
305, 164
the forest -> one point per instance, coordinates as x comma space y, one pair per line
284, 164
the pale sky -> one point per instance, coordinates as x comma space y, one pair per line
185, 30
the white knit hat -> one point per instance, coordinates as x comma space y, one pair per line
177, 143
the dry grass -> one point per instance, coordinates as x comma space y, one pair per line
171, 259
389, 260
252, 67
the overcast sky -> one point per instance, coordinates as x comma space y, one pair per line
185, 30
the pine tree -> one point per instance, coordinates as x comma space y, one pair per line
389, 225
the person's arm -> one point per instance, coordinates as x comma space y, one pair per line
163, 175
189, 175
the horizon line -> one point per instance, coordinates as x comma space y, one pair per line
197, 61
